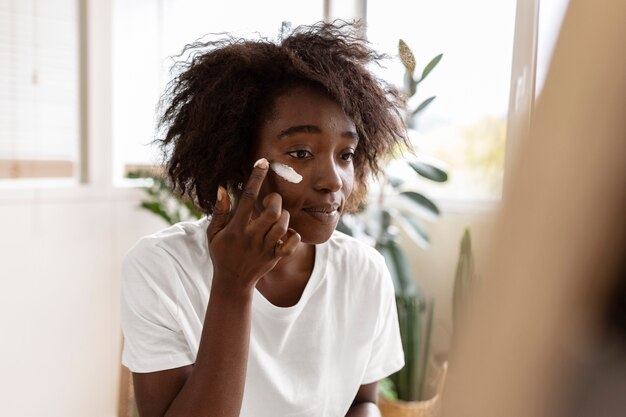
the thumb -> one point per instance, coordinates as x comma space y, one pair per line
221, 211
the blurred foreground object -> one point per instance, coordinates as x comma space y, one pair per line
544, 335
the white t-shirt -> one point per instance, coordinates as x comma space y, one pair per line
304, 360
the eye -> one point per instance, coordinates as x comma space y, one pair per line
347, 156
300, 154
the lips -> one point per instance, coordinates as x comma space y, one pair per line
325, 213
322, 208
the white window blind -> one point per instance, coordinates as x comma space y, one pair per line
39, 82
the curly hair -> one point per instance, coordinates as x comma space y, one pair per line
225, 89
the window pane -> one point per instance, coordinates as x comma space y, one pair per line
39, 81
148, 32
465, 126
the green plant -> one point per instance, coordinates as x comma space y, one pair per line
397, 204
411, 82
463, 279
162, 201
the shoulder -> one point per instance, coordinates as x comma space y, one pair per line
357, 259
183, 243
187, 235
348, 248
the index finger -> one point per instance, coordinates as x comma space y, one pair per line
250, 193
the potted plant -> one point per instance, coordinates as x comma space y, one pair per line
161, 201
396, 204
464, 279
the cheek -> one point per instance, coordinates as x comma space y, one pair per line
288, 191
348, 181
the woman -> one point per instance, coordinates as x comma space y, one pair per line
266, 310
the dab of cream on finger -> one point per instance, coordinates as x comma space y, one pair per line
286, 172
261, 163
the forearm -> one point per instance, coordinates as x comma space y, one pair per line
216, 384
364, 409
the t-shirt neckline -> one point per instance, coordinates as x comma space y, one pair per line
262, 304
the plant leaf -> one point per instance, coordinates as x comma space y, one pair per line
407, 206
414, 230
429, 67
193, 210
417, 351
423, 201
463, 277
428, 329
406, 56
410, 85
391, 267
423, 105
387, 389
429, 171
398, 262
394, 180
403, 380
156, 208
410, 322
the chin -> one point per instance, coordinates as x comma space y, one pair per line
316, 240
317, 235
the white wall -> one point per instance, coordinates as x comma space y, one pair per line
59, 301
60, 253
435, 267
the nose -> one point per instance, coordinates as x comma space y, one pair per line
327, 176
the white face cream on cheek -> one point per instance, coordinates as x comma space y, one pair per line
286, 172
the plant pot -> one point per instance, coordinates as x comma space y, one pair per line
423, 408
397, 408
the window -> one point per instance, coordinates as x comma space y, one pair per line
146, 33
465, 126
39, 91
551, 14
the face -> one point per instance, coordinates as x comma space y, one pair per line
310, 133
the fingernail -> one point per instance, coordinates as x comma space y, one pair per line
220, 193
262, 163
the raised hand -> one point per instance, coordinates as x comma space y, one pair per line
243, 248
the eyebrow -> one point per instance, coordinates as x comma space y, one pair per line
349, 134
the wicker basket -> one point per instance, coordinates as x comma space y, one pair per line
426, 408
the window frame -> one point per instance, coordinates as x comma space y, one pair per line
523, 80
95, 172
51, 173
93, 177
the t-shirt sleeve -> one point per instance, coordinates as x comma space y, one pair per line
153, 340
387, 355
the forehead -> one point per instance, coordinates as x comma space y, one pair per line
308, 106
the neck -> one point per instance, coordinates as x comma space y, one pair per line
301, 261
284, 285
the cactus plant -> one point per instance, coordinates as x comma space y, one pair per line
463, 278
